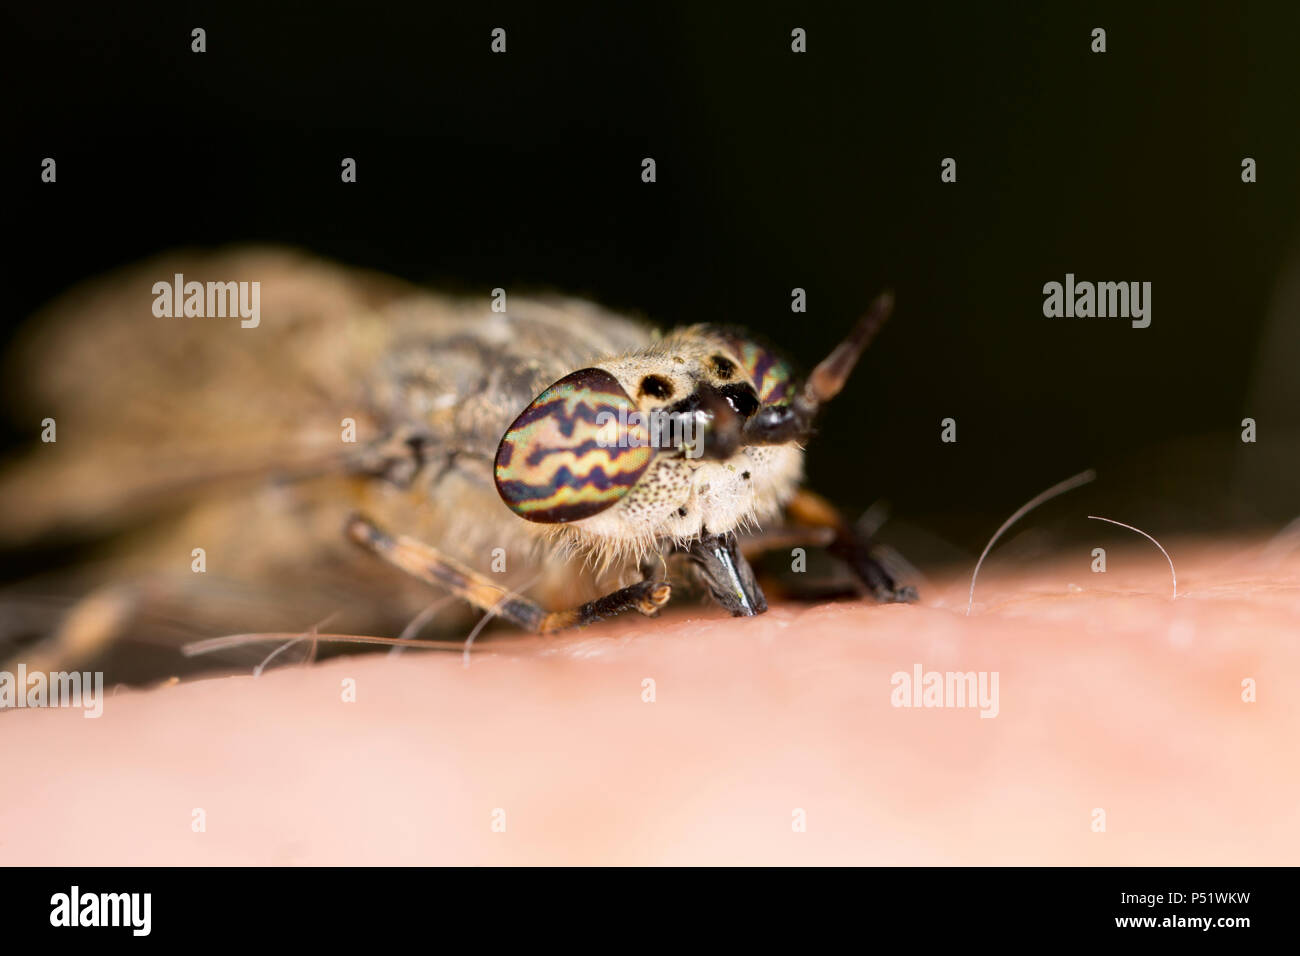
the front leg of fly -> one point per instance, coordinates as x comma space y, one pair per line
727, 574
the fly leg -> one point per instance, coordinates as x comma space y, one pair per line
849, 545
814, 521
428, 564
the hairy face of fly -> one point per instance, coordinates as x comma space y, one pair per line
695, 393
652, 445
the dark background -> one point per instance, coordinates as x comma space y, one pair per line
775, 170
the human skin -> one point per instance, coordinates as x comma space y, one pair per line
1112, 696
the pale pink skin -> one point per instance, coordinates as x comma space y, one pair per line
1111, 697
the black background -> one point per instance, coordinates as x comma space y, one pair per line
775, 170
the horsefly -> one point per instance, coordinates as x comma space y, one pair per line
245, 476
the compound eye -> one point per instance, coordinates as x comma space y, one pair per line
771, 376
575, 451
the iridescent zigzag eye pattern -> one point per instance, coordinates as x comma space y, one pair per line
770, 375
571, 454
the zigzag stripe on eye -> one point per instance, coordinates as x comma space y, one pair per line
578, 452
578, 405
520, 492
